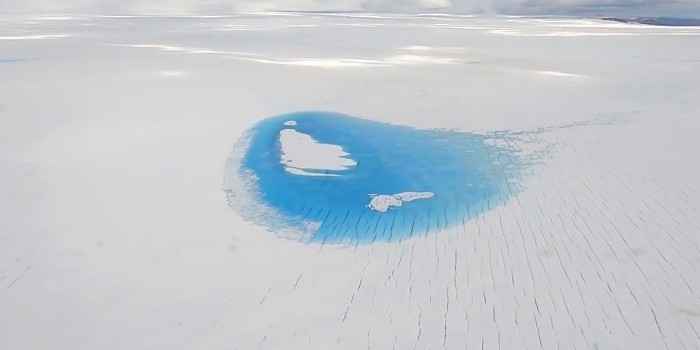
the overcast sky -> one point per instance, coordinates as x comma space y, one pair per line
679, 8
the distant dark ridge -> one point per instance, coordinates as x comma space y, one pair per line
658, 21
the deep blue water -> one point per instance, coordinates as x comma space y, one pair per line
466, 173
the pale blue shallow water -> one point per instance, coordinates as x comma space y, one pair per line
466, 172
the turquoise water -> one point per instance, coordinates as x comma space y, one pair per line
466, 174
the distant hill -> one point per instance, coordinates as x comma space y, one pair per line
658, 21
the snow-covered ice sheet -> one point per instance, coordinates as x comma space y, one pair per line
115, 231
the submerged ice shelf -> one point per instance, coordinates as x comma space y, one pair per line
333, 178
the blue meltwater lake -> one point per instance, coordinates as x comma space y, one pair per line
325, 177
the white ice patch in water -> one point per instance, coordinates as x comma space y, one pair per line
382, 202
301, 153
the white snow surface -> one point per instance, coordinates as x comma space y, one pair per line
115, 232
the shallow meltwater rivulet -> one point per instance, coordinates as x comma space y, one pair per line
331, 178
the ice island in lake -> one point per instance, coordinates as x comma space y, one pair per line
382, 202
334, 178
